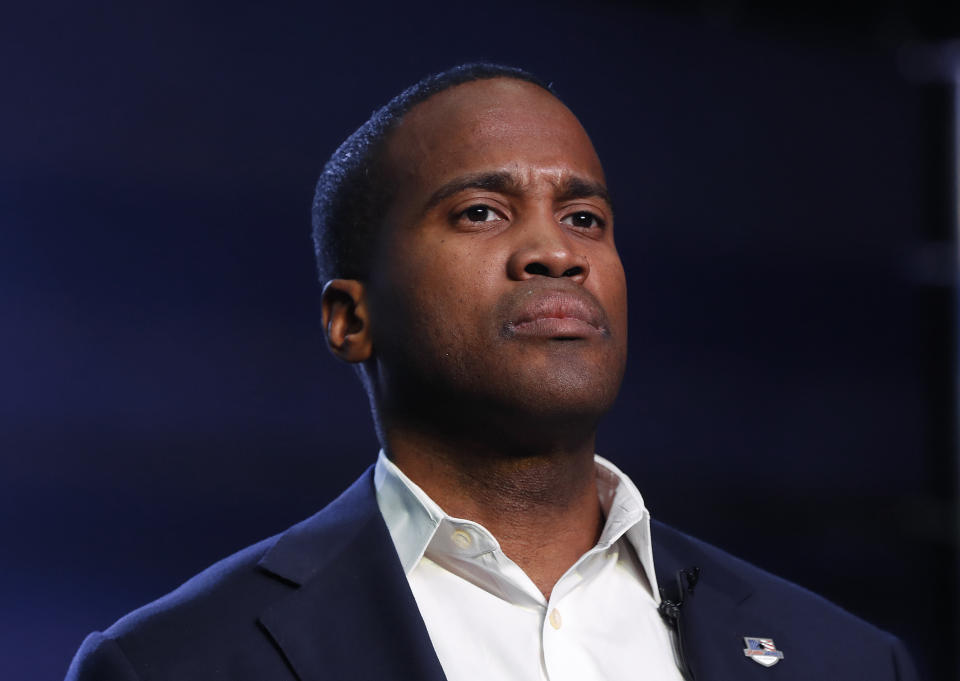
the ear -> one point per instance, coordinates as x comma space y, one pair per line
346, 321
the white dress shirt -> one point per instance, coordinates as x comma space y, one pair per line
488, 620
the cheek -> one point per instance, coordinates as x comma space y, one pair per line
451, 291
610, 287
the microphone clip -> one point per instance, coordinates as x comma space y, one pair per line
672, 596
671, 603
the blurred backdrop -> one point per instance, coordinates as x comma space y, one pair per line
783, 182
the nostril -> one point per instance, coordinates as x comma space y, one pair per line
537, 268
573, 271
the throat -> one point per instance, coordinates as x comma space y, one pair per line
543, 509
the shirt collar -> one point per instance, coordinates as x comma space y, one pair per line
412, 517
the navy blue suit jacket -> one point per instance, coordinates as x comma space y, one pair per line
328, 599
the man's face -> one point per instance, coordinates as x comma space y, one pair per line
497, 282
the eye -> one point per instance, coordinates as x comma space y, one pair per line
583, 220
480, 213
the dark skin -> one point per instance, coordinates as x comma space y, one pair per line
492, 328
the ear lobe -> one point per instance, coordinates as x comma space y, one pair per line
345, 320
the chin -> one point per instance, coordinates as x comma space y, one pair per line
565, 394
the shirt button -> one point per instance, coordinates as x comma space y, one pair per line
462, 538
555, 620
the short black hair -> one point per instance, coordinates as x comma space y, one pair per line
353, 191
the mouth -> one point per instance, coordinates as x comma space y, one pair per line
557, 315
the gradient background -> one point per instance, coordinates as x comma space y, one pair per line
783, 187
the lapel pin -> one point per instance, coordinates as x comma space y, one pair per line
762, 651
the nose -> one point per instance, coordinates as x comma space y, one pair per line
545, 250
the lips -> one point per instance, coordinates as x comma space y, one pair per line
557, 315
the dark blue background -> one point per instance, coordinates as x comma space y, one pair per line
783, 213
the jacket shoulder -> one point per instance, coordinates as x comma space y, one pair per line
214, 616
758, 603
224, 589
184, 634
752, 586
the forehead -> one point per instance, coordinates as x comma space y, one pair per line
495, 124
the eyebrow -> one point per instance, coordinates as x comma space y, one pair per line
501, 182
580, 188
504, 182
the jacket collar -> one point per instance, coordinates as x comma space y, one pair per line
675, 551
351, 613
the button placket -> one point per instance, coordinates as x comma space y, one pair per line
556, 645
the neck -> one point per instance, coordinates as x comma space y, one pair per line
541, 504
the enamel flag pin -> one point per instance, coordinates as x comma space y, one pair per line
762, 651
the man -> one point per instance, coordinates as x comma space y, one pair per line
465, 238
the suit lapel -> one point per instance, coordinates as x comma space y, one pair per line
352, 614
711, 615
